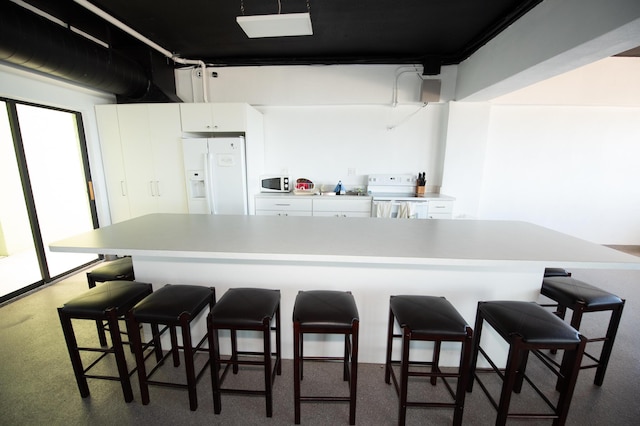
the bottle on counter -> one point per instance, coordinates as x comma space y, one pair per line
338, 188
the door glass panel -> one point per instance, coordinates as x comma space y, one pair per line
55, 166
18, 261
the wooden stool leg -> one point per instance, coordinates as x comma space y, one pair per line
522, 367
463, 380
297, 367
278, 342
121, 362
435, 362
74, 355
136, 341
157, 342
354, 372
214, 355
477, 333
404, 375
570, 368
347, 356
268, 384
187, 348
387, 365
175, 351
234, 351
510, 377
607, 347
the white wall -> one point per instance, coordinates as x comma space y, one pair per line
323, 143
467, 138
573, 169
321, 122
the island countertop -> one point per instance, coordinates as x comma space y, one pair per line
350, 240
465, 261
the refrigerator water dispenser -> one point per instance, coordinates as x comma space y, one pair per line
197, 187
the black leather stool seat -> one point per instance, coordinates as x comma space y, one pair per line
325, 309
172, 306
245, 309
556, 272
529, 322
119, 269
117, 295
570, 291
580, 297
108, 302
166, 305
428, 315
527, 328
434, 319
326, 312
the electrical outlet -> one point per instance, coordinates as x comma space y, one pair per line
351, 171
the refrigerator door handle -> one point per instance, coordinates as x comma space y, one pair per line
208, 178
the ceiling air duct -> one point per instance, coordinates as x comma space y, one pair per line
34, 42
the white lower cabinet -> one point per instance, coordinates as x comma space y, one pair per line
342, 207
283, 206
303, 205
440, 209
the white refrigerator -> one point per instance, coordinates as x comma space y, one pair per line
216, 175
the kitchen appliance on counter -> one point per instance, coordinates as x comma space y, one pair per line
395, 196
275, 183
216, 175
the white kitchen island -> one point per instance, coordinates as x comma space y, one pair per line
464, 261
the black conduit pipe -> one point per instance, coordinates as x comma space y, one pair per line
34, 42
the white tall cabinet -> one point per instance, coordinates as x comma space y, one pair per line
142, 151
142, 155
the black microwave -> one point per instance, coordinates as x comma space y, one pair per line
275, 184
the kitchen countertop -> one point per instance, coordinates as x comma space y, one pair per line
292, 194
427, 195
349, 240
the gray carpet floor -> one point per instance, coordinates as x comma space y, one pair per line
37, 384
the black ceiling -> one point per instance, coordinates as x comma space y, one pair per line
436, 32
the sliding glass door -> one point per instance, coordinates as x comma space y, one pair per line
46, 194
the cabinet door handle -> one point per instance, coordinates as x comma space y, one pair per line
151, 189
123, 189
158, 188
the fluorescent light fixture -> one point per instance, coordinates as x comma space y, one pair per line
280, 25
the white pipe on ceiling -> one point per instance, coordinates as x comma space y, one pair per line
104, 15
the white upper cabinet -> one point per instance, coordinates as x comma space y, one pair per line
212, 117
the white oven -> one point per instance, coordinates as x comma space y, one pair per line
394, 196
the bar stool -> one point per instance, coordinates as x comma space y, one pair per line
581, 298
527, 327
428, 318
171, 306
326, 312
115, 270
556, 272
119, 269
108, 303
245, 309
